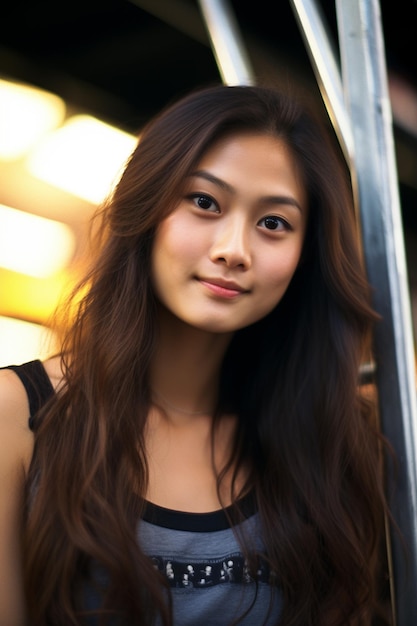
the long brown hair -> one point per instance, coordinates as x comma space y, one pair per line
292, 379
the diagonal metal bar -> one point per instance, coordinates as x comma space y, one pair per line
323, 57
226, 42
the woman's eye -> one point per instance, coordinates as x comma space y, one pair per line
205, 202
272, 222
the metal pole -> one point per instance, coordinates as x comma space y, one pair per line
323, 58
367, 98
226, 42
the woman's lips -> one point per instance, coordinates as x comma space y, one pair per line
222, 288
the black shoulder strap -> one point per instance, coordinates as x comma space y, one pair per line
37, 384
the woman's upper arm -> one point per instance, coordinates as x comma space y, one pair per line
16, 445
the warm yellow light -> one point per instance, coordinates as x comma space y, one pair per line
35, 299
84, 157
22, 341
26, 113
33, 245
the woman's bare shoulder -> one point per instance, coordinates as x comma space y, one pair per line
15, 435
16, 439
16, 449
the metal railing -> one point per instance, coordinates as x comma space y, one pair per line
355, 94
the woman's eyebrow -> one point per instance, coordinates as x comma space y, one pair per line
288, 200
280, 199
214, 179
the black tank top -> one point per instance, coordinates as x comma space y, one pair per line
36, 383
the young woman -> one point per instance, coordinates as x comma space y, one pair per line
200, 452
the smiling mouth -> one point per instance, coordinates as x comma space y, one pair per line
223, 289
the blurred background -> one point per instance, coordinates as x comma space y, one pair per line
78, 81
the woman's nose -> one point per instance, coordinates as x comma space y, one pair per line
231, 245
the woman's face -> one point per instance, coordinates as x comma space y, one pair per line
226, 254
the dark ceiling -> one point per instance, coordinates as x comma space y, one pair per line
124, 59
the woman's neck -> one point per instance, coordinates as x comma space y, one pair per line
186, 366
185, 454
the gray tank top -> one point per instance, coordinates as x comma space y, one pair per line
199, 554
202, 559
